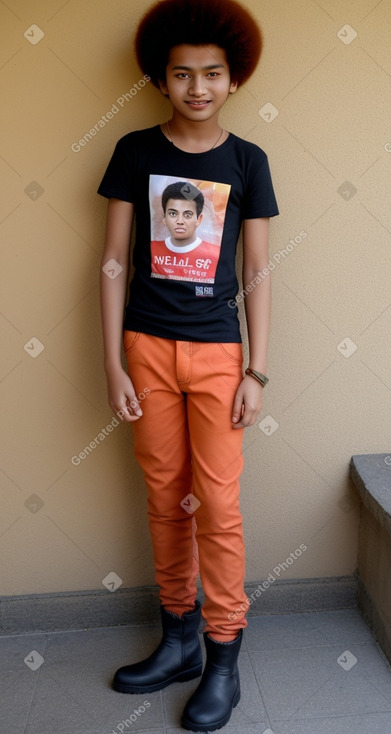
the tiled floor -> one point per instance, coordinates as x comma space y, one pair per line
318, 673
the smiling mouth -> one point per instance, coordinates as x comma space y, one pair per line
198, 104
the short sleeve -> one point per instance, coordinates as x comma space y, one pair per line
259, 199
118, 180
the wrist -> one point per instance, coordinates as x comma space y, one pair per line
111, 366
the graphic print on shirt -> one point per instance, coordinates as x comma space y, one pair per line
187, 222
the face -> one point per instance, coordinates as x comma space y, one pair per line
197, 81
181, 220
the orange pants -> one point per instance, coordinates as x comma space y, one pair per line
186, 445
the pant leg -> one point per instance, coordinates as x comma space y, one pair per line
216, 449
162, 449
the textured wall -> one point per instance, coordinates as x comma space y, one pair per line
320, 107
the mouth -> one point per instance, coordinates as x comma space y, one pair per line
180, 230
198, 105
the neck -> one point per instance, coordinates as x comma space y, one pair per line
195, 136
196, 129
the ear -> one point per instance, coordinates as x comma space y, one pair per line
163, 87
233, 87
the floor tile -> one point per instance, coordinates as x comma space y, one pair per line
18, 680
365, 688
309, 681
294, 630
300, 673
74, 695
362, 724
342, 625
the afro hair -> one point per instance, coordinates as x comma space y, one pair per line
224, 23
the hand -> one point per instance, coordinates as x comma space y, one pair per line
247, 403
122, 396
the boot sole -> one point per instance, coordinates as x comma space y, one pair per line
192, 726
179, 677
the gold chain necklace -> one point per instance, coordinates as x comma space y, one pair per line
205, 151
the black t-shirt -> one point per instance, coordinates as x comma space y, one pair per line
184, 282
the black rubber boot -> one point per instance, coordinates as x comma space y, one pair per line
210, 707
178, 657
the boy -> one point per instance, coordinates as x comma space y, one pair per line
183, 255
184, 344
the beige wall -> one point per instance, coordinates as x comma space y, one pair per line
65, 526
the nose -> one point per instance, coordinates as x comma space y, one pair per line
197, 88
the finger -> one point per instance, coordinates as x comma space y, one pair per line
135, 406
249, 417
131, 408
126, 414
238, 407
130, 417
240, 422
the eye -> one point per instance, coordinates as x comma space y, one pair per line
182, 75
213, 74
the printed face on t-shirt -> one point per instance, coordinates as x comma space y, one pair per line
181, 221
186, 230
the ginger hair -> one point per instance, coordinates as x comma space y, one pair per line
224, 23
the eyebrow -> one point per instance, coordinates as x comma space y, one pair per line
210, 67
172, 209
